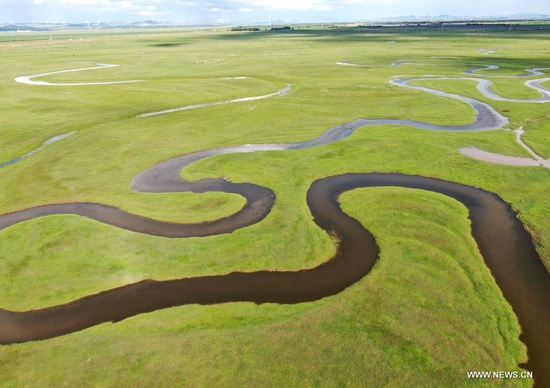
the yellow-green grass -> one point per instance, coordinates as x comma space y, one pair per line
427, 313
537, 136
519, 113
505, 87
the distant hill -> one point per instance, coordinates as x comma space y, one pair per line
13, 27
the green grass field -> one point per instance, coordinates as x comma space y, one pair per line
428, 312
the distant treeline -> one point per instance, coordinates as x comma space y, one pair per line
240, 28
493, 24
514, 26
286, 28
245, 29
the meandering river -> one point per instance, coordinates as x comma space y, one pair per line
504, 243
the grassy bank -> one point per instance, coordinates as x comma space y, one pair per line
429, 311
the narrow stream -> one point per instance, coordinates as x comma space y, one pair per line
504, 243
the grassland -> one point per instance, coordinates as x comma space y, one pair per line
429, 311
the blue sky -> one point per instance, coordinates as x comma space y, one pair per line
235, 11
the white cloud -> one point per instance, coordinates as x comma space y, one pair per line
126, 4
89, 3
301, 5
257, 10
137, 7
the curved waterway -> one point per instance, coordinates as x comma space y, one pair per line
280, 92
28, 79
48, 142
483, 85
165, 177
503, 242
480, 154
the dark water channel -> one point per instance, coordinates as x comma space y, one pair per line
504, 243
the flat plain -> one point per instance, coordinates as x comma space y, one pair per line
427, 313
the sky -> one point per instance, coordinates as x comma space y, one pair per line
240, 11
